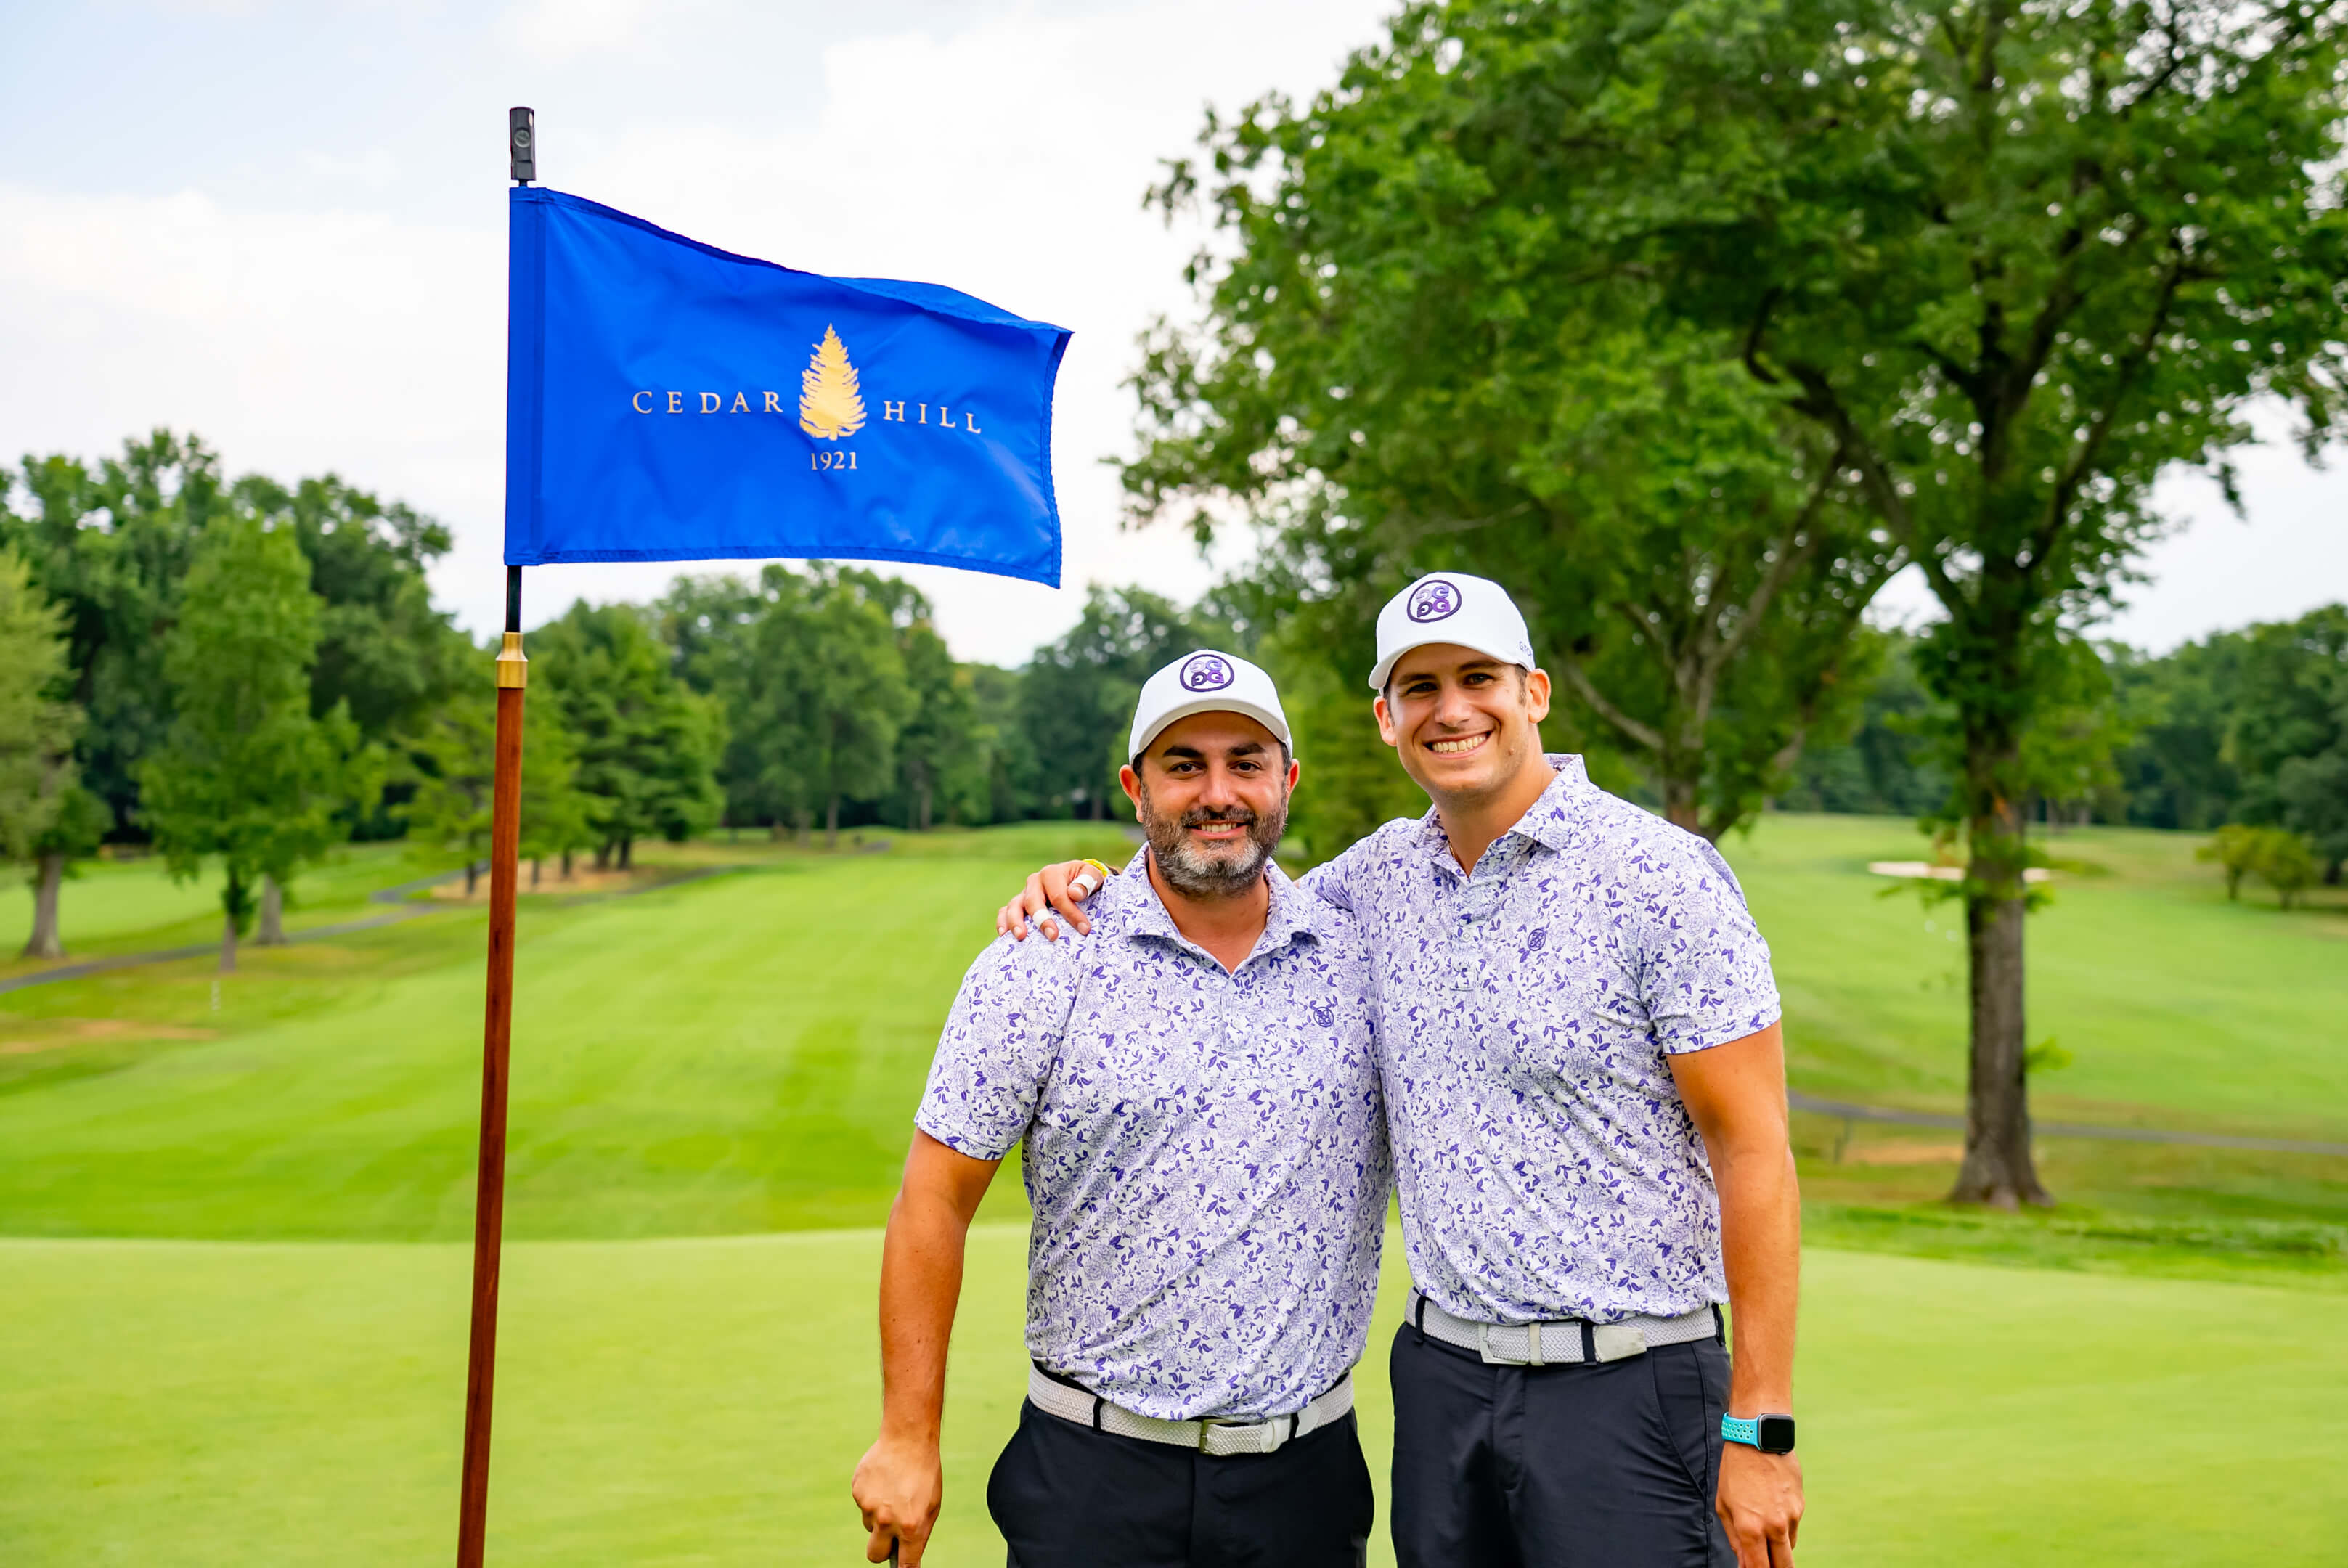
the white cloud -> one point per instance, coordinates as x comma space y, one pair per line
1001, 153
562, 29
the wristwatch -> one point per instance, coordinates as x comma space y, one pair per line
1772, 1434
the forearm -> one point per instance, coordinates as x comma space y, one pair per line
1761, 1245
920, 1285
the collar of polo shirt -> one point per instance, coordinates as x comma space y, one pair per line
1551, 819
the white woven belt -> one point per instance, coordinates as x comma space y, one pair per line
1555, 1344
1216, 1439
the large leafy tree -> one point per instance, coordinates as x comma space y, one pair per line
247, 776
1406, 363
450, 812
648, 744
2010, 263
940, 751
829, 694
2289, 733
1078, 692
36, 726
111, 544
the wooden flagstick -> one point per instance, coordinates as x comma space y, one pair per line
489, 1199
497, 1034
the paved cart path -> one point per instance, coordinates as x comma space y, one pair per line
1851, 1112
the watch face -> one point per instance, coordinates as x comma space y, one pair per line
1776, 1434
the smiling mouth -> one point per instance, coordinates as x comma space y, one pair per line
1458, 745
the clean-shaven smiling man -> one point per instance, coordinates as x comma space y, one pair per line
1585, 1078
1195, 1085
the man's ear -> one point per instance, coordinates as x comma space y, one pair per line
1386, 720
1293, 769
1536, 694
1130, 781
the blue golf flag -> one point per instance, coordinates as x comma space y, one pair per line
666, 400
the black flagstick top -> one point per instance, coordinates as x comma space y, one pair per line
513, 599
522, 142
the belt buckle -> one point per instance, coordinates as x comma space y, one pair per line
1207, 1424
1617, 1341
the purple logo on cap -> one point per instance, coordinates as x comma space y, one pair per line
1432, 600
1206, 672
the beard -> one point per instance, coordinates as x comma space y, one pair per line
1219, 872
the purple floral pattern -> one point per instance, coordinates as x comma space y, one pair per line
1547, 1167
1205, 1151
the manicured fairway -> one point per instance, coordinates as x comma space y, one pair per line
2178, 1007
704, 1401
734, 1055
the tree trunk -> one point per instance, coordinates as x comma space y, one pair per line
45, 943
472, 876
566, 865
1681, 806
271, 933
831, 822
1998, 1168
228, 944
537, 870
628, 853
603, 855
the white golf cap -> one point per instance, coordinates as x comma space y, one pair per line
1451, 607
1205, 683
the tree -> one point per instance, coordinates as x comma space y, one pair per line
1406, 364
1082, 688
79, 828
111, 545
1893, 764
2285, 862
453, 804
2178, 772
247, 775
824, 692
36, 732
647, 744
2288, 730
2236, 849
939, 740
2012, 262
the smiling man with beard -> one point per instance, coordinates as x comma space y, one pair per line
1581, 1061
1195, 1084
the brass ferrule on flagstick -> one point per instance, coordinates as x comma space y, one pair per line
513, 665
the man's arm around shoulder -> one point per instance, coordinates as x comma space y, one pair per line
900, 1484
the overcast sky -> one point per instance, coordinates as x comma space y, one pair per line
283, 226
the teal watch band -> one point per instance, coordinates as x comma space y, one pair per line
1769, 1433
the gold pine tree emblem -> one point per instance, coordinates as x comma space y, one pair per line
830, 408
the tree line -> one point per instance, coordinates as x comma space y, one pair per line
238, 674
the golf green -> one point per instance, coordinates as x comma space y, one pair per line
705, 1400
